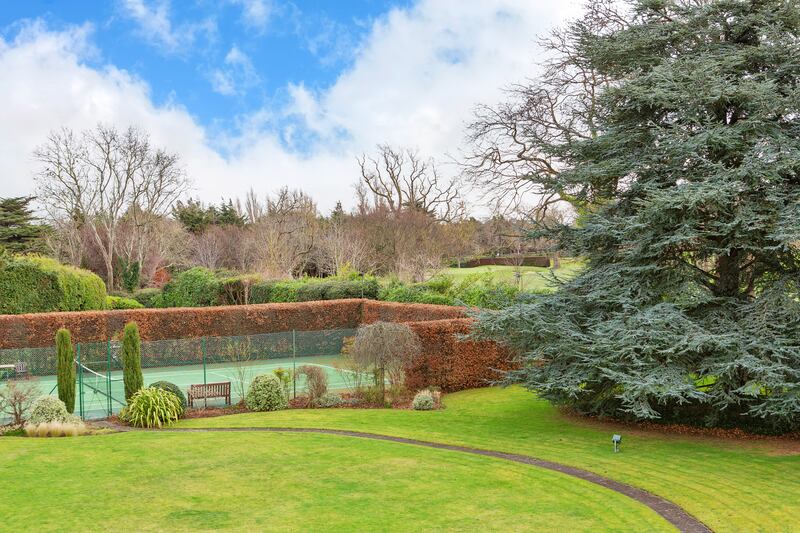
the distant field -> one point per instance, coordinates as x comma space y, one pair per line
533, 278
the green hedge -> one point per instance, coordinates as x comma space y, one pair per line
32, 284
121, 302
196, 287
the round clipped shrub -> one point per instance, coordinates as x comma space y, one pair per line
329, 400
265, 394
174, 389
423, 401
151, 407
49, 409
120, 302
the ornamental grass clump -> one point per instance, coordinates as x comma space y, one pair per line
152, 407
174, 389
56, 429
265, 394
316, 382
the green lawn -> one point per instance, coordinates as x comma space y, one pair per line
731, 486
533, 278
289, 482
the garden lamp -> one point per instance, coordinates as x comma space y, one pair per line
617, 440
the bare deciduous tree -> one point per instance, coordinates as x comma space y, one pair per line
401, 179
515, 144
98, 177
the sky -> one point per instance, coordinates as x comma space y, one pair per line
262, 94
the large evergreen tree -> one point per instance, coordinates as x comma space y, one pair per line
689, 187
18, 231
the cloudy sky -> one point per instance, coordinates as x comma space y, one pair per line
261, 93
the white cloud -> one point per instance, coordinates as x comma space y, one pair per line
255, 13
236, 77
413, 82
155, 26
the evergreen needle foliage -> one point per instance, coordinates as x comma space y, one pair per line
65, 369
131, 360
687, 181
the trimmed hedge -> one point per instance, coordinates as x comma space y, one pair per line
32, 284
451, 363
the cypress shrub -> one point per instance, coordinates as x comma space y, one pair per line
132, 360
120, 302
65, 369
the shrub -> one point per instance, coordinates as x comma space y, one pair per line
152, 407
284, 291
148, 297
48, 409
359, 288
236, 290
316, 382
174, 389
120, 302
196, 287
285, 377
265, 394
425, 400
65, 369
34, 284
329, 400
131, 360
414, 294
309, 291
56, 429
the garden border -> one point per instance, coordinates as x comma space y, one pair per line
670, 511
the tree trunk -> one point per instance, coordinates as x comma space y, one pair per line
729, 271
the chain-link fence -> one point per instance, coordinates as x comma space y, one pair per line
184, 362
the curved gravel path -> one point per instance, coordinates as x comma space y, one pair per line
670, 511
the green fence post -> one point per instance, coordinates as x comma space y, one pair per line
108, 378
294, 365
80, 383
205, 379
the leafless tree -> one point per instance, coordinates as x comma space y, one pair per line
98, 177
287, 229
515, 145
401, 179
385, 348
341, 244
17, 397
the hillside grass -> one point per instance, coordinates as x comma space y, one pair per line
730, 485
533, 278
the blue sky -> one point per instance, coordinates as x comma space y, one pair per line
263, 94
307, 41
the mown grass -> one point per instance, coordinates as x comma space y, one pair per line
148, 481
730, 485
533, 278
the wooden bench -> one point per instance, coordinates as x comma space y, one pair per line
221, 389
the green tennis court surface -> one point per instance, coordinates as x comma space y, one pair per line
95, 385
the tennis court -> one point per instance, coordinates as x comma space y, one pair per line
188, 361
95, 385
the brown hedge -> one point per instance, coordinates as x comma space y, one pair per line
374, 311
453, 364
445, 361
38, 330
